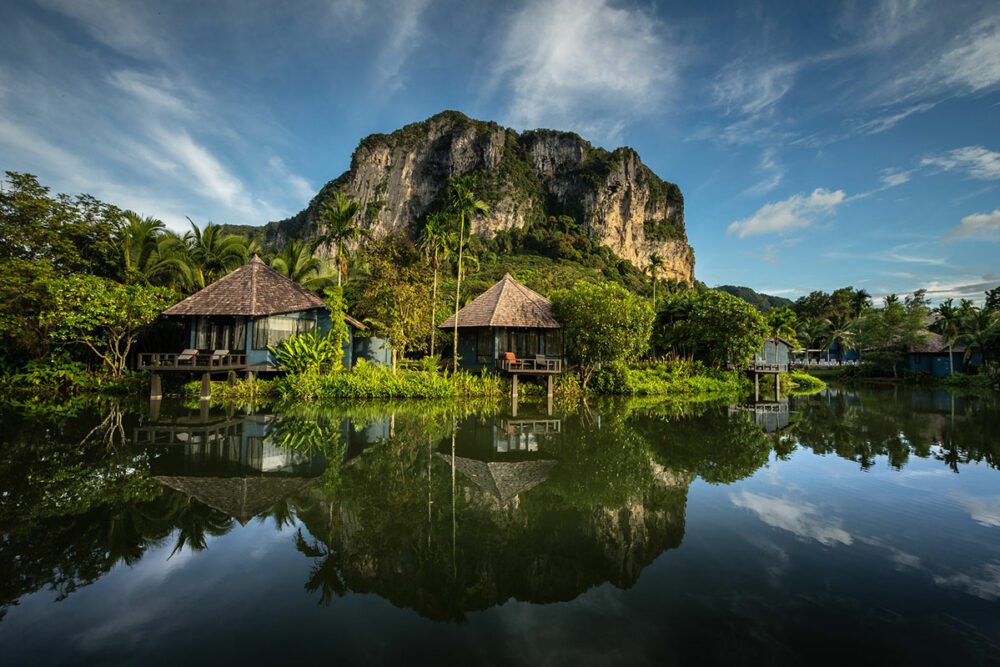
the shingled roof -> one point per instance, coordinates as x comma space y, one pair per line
506, 304
254, 289
242, 498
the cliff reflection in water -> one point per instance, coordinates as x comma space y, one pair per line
479, 511
440, 508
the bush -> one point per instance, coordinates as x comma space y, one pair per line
802, 382
309, 353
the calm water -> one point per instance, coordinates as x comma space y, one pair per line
845, 527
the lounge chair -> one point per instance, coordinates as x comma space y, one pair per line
510, 359
217, 357
541, 362
187, 357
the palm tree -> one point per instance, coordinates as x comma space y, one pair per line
980, 332
149, 253
212, 253
948, 325
340, 227
463, 203
434, 239
297, 262
655, 265
839, 330
860, 300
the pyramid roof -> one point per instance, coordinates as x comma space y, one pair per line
506, 304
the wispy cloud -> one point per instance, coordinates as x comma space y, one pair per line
894, 177
753, 88
775, 174
585, 65
890, 120
796, 212
983, 584
976, 161
800, 518
982, 511
979, 226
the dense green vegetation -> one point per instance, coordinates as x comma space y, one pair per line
765, 303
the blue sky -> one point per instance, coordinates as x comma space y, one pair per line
848, 143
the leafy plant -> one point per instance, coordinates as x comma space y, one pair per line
309, 353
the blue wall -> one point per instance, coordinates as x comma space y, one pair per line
936, 363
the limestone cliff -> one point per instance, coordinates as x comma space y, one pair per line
527, 178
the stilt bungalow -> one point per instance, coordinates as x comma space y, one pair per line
232, 322
508, 327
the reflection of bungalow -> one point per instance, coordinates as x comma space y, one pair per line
507, 317
232, 322
932, 357
770, 416
231, 464
503, 480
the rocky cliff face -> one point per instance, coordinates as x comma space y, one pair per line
527, 179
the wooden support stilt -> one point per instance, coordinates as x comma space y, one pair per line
756, 386
203, 412
513, 387
550, 383
206, 386
777, 387
231, 379
155, 387
154, 409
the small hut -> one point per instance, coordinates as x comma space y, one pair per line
240, 315
506, 318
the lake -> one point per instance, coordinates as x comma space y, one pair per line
848, 526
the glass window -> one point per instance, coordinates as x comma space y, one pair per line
269, 331
201, 333
484, 346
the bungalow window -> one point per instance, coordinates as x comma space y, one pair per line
484, 346
269, 331
220, 333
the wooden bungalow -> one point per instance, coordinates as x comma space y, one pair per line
232, 322
508, 323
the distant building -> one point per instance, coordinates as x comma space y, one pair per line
932, 357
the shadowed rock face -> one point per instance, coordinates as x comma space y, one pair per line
525, 177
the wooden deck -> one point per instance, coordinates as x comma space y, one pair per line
761, 367
176, 361
529, 366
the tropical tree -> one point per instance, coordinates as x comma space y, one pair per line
103, 315
840, 330
435, 240
981, 333
212, 253
602, 324
655, 266
715, 326
340, 227
298, 263
149, 253
948, 325
781, 323
464, 205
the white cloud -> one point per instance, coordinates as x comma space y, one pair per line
800, 518
979, 162
894, 177
983, 512
887, 122
584, 65
796, 212
975, 63
776, 173
985, 584
405, 36
978, 225
752, 88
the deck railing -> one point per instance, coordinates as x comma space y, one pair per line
530, 365
762, 367
201, 361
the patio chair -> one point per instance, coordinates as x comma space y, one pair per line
187, 357
510, 359
541, 362
217, 357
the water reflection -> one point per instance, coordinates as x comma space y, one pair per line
438, 508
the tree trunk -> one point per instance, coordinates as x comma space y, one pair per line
458, 291
393, 356
434, 303
340, 272
951, 359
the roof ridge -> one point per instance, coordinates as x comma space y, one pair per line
503, 287
253, 284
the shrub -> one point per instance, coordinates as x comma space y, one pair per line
309, 353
